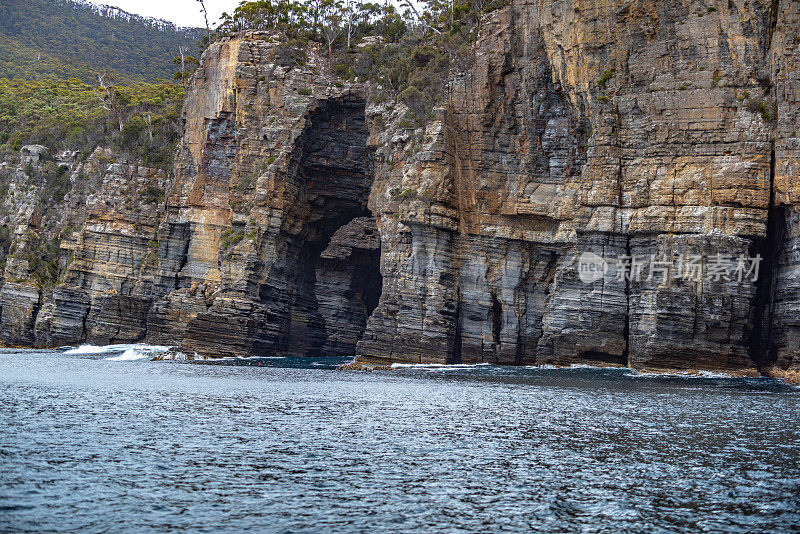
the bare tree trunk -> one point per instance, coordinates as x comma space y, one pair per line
110, 103
205, 16
316, 18
150, 128
183, 67
349, 22
409, 4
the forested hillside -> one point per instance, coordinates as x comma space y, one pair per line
22, 62
50, 39
138, 120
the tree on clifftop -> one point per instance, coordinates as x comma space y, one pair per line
205, 16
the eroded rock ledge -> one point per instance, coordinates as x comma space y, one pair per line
304, 218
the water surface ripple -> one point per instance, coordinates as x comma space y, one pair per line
130, 445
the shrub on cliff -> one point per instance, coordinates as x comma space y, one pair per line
41, 257
333, 21
406, 52
56, 181
415, 69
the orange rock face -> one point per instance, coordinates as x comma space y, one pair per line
655, 131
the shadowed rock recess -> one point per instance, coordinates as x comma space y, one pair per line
306, 217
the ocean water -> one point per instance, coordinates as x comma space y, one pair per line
104, 440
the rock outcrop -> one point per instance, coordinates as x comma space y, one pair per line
307, 217
626, 130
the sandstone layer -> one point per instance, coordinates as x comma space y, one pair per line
306, 217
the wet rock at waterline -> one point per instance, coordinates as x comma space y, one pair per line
307, 217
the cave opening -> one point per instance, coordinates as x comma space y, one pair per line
497, 321
772, 248
337, 273
604, 358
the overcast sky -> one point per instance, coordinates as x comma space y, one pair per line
181, 12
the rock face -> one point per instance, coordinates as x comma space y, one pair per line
348, 285
105, 226
305, 218
625, 130
271, 165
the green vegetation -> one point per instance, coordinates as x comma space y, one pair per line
69, 114
765, 110
56, 180
74, 76
231, 238
41, 256
408, 193
607, 75
150, 258
244, 184
47, 39
234, 236
152, 195
23, 62
5, 239
767, 115
408, 55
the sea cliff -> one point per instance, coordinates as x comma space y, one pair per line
308, 215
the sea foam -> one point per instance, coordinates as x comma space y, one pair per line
439, 366
126, 352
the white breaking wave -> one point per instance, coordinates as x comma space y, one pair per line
127, 352
130, 354
686, 374
95, 349
439, 365
238, 358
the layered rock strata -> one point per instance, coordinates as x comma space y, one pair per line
625, 130
306, 217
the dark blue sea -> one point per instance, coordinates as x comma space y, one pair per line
104, 440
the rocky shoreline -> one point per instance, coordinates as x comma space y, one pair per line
307, 216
